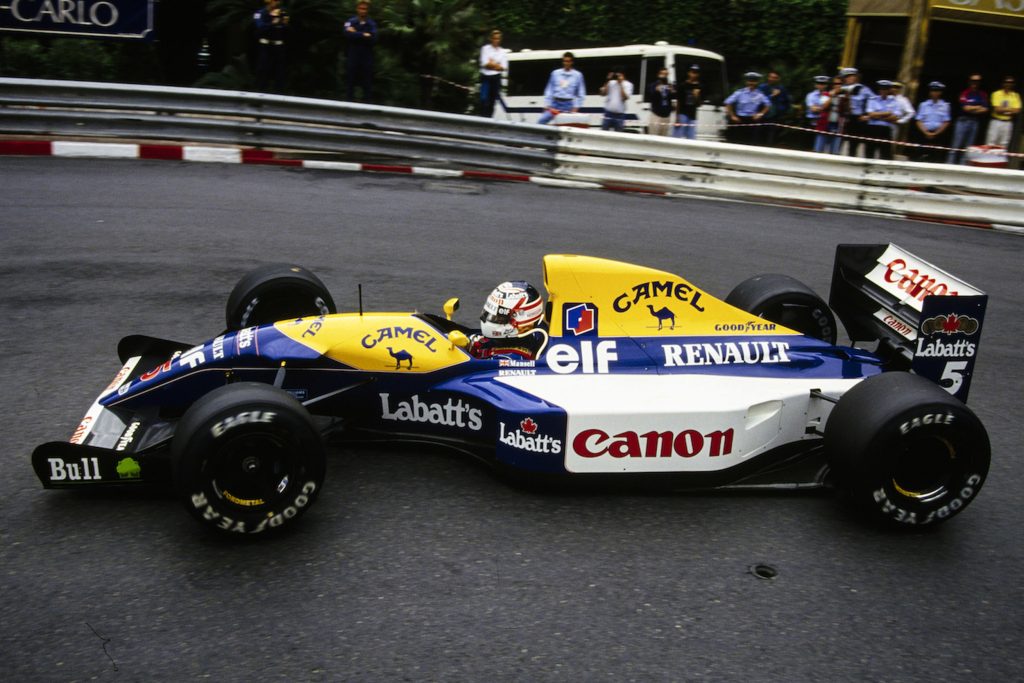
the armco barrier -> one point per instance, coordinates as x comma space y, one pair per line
116, 112
63, 108
794, 164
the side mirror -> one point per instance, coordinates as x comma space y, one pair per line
458, 338
451, 306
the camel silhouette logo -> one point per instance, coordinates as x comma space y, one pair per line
662, 315
400, 356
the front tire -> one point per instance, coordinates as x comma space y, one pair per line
276, 291
248, 459
906, 452
786, 301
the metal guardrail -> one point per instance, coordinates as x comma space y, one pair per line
243, 119
64, 108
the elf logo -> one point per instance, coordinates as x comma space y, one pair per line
590, 358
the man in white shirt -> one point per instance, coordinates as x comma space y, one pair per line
493, 63
617, 91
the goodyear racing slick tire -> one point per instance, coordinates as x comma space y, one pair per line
906, 452
247, 459
276, 291
786, 301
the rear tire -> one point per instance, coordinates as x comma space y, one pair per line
786, 301
247, 459
906, 452
276, 291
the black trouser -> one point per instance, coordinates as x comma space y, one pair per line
271, 69
857, 128
359, 71
882, 142
746, 134
490, 91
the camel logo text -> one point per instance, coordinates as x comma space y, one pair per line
680, 291
397, 334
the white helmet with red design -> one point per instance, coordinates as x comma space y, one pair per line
511, 310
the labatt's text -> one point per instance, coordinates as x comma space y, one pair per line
527, 441
449, 414
936, 349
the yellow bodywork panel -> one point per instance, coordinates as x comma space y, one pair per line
636, 301
379, 342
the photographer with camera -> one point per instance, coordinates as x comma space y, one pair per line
617, 91
857, 96
660, 94
271, 33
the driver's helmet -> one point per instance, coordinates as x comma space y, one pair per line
511, 310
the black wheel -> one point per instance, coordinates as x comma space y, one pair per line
905, 451
247, 459
786, 301
276, 291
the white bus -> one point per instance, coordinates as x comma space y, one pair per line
528, 72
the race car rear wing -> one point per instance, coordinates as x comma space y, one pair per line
930, 319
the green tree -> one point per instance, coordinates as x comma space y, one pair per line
436, 39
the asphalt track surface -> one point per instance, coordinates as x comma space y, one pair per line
421, 565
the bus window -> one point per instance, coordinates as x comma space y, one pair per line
595, 70
529, 78
712, 76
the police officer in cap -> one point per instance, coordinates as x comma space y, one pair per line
933, 118
745, 109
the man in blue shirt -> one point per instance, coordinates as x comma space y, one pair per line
973, 110
360, 35
933, 119
745, 108
780, 100
883, 111
564, 92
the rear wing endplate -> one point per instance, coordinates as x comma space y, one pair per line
931, 318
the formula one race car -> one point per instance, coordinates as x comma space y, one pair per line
645, 380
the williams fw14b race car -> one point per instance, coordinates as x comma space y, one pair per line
644, 379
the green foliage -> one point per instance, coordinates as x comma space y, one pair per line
441, 38
434, 39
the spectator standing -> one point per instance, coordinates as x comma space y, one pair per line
815, 102
617, 91
882, 114
1005, 107
360, 36
933, 118
745, 108
564, 92
973, 109
781, 102
831, 120
906, 111
688, 99
271, 35
493, 64
857, 97
660, 94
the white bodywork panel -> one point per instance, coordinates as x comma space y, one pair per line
679, 423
